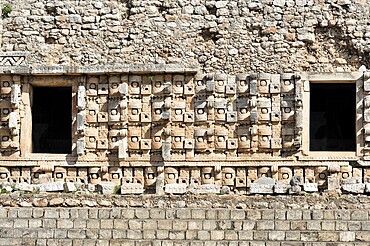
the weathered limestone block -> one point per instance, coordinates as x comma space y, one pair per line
178, 137
208, 176
353, 185
281, 188
134, 110
310, 187
114, 111
242, 83
285, 175
51, 186
263, 83
132, 188
128, 175
184, 176
134, 84
95, 175
367, 187
295, 183
178, 81
114, 83
171, 175
201, 111
333, 184
262, 185
69, 187
115, 174
205, 189
241, 178
150, 176
25, 187
232, 144
178, 110
220, 81
134, 137
228, 176
175, 188
354, 188
264, 109
106, 187
4, 174
166, 150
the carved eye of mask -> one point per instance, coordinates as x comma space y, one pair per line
158, 111
200, 111
150, 175
114, 86
177, 139
220, 138
243, 83
92, 86
287, 82
135, 84
287, 110
264, 110
228, 175
322, 176
285, 175
178, 111
171, 176
200, 139
221, 111
243, 110
220, 82
134, 111
158, 84
243, 138
263, 83
91, 139
113, 112
134, 139
178, 84
94, 175
157, 139
200, 82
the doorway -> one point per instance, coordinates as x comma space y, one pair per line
332, 117
52, 120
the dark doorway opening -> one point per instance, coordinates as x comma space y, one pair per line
52, 120
332, 117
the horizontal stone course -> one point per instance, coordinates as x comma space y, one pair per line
187, 227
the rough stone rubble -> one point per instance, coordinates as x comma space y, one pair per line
226, 36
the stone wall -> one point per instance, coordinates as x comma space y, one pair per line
225, 36
176, 132
233, 113
179, 226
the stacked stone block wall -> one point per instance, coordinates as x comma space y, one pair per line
183, 226
227, 36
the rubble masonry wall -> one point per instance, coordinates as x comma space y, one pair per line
226, 36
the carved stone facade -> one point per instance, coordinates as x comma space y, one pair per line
234, 116
180, 130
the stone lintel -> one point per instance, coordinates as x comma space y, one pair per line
104, 69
